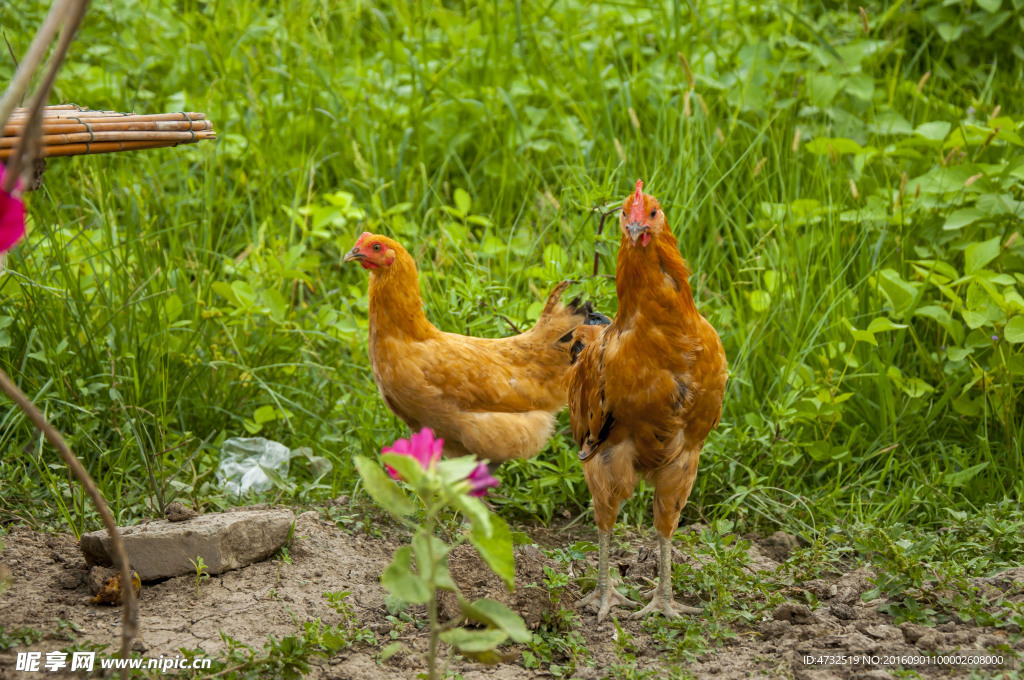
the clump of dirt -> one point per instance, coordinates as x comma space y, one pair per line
275, 597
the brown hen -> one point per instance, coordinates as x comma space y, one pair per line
496, 398
645, 391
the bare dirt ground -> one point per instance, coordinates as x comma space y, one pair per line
275, 597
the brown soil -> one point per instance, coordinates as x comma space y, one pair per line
50, 583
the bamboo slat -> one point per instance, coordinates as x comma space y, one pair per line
70, 130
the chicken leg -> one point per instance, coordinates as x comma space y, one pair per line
604, 595
672, 487
661, 597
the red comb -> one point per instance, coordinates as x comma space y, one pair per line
636, 213
362, 236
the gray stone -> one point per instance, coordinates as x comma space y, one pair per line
779, 545
794, 613
842, 611
179, 512
99, 576
225, 541
929, 641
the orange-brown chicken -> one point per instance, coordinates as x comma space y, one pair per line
645, 391
495, 398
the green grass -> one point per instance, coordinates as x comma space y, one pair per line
169, 299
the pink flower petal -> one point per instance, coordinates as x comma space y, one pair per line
12, 218
394, 473
422, 447
480, 480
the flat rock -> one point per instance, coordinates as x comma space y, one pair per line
225, 541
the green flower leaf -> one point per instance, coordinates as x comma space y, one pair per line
452, 470
407, 467
466, 640
496, 548
383, 489
430, 551
476, 511
401, 582
493, 613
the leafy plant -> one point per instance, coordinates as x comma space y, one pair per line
438, 485
201, 573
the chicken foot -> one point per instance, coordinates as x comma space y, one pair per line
662, 598
605, 596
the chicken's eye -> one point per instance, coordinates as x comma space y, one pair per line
654, 213
376, 247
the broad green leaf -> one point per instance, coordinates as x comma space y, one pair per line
275, 303
881, 324
863, 336
452, 470
912, 387
429, 551
462, 201
975, 319
173, 308
823, 451
476, 511
496, 549
822, 88
494, 613
977, 255
760, 300
264, 414
390, 651
956, 479
860, 87
382, 488
900, 293
225, 290
837, 145
943, 318
1014, 331
466, 640
958, 353
401, 582
935, 131
244, 293
962, 218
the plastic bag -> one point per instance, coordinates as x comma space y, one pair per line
249, 463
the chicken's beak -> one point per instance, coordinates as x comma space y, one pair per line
353, 255
636, 229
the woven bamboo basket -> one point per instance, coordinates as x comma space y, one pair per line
70, 130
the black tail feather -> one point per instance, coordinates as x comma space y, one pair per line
593, 317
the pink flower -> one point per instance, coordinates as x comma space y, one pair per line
12, 216
422, 446
480, 480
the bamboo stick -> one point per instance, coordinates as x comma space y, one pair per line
98, 147
124, 136
71, 127
175, 115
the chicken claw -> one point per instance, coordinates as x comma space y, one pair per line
604, 595
603, 605
661, 596
658, 603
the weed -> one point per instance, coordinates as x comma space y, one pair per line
200, 571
